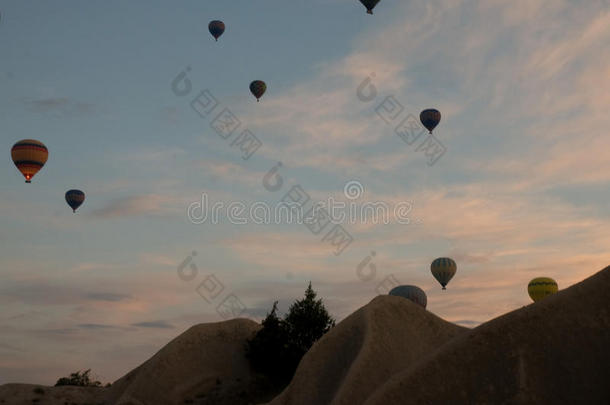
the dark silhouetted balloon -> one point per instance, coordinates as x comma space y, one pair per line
370, 5
29, 155
411, 292
75, 198
430, 118
443, 269
540, 287
216, 28
258, 88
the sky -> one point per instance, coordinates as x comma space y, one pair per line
519, 191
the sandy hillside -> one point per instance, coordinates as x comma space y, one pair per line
556, 351
31, 394
202, 361
205, 365
364, 350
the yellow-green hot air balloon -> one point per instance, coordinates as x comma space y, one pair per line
540, 287
443, 269
29, 155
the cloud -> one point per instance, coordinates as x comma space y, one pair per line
170, 114
154, 324
296, 251
8, 347
56, 333
62, 105
45, 292
47, 104
105, 296
37, 292
147, 204
227, 172
95, 326
522, 82
144, 155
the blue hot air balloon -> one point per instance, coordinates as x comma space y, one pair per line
75, 198
369, 4
216, 28
258, 88
430, 118
411, 292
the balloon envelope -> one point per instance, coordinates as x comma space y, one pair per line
369, 4
540, 287
258, 88
411, 292
75, 198
443, 269
216, 28
430, 118
29, 155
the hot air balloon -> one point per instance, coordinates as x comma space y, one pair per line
29, 156
216, 28
258, 88
370, 5
411, 292
540, 287
430, 118
443, 269
75, 198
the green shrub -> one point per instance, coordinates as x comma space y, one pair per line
80, 379
278, 347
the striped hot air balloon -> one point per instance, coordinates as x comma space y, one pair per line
258, 88
29, 156
443, 269
411, 292
75, 198
540, 287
